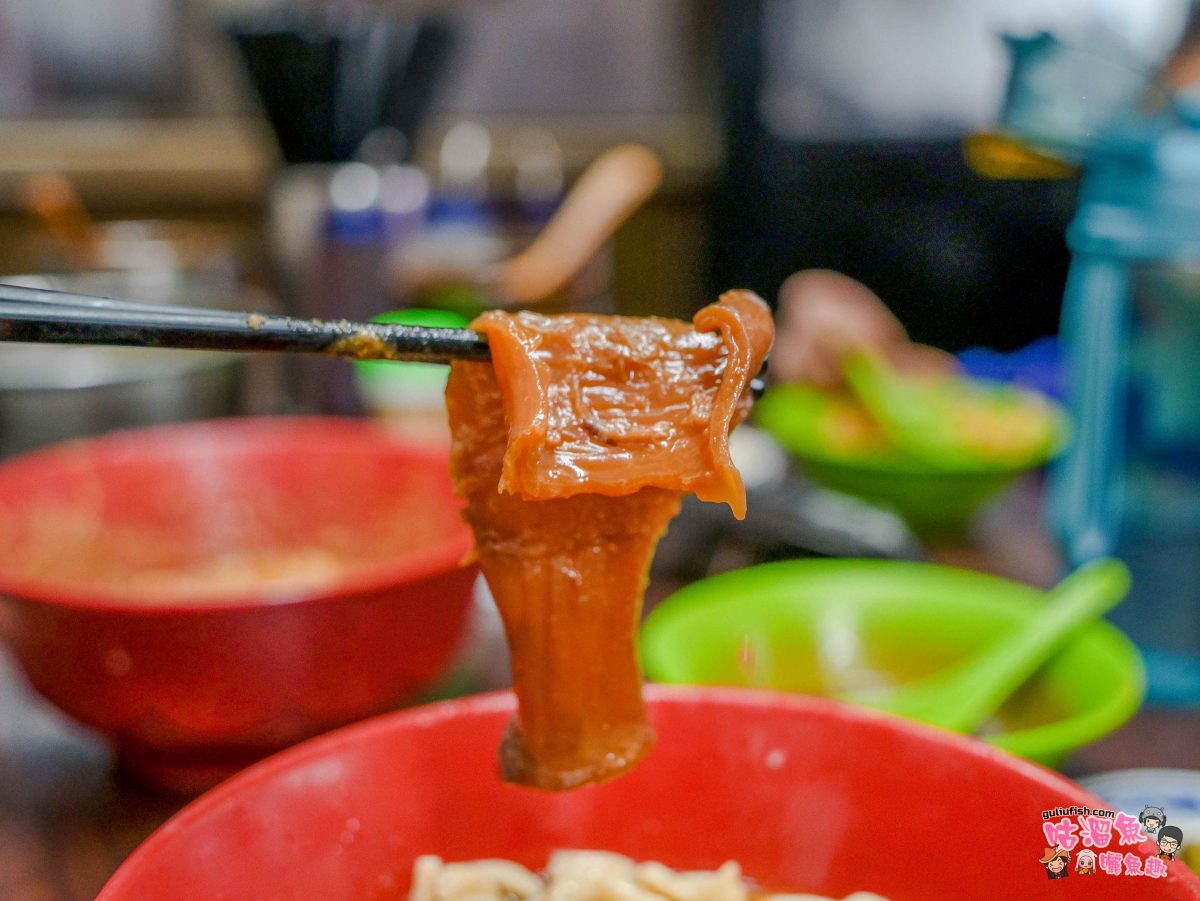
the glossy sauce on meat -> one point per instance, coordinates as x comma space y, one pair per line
573, 449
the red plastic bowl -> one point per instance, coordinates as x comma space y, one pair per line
807, 794
190, 689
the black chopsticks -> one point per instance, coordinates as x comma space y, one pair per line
62, 317
35, 314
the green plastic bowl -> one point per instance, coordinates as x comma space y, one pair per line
409, 378
411, 397
935, 502
821, 627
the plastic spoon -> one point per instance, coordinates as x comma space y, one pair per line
615, 184
53, 199
956, 422
963, 697
610, 189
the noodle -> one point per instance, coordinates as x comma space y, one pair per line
573, 450
589, 876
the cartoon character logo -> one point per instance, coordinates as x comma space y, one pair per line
1169, 840
1057, 861
1085, 862
1152, 819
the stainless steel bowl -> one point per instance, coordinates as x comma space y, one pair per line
51, 393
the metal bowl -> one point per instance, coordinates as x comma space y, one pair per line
50, 393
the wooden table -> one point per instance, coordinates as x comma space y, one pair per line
66, 822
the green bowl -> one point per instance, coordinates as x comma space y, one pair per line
817, 429
390, 386
823, 627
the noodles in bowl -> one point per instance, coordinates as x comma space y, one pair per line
806, 795
590, 876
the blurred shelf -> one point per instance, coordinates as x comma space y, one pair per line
175, 162
227, 160
689, 144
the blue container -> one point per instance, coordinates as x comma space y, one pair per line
1061, 95
1130, 484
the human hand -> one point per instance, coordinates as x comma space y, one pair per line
823, 316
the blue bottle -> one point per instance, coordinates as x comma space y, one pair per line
1130, 484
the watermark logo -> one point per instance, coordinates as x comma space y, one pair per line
1091, 841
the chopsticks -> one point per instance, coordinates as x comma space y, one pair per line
39, 315
61, 317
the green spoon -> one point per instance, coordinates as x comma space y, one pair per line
957, 423
963, 697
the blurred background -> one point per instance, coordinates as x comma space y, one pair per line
355, 159
347, 159
793, 135
1019, 181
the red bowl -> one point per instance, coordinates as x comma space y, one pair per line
192, 685
807, 794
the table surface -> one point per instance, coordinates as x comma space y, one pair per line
67, 821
